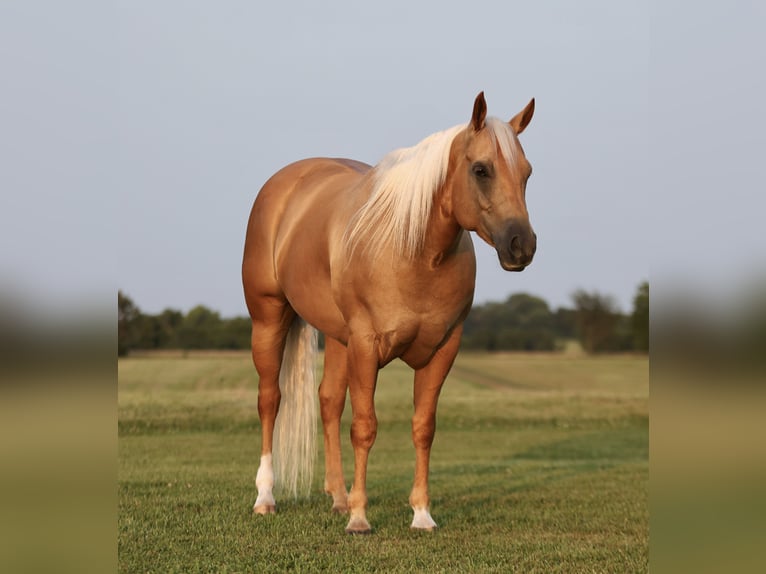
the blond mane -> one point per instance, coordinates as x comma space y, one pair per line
404, 184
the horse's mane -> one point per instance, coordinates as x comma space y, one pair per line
404, 184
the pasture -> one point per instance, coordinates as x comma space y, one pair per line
540, 464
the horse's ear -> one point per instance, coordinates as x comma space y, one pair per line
522, 119
479, 112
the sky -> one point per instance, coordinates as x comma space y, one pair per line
135, 136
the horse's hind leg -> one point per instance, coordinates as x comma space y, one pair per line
332, 399
271, 321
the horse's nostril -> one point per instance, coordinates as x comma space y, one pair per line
516, 246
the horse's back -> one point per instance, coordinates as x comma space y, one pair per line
298, 179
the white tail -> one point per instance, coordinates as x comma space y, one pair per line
296, 425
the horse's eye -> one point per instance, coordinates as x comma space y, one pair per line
480, 170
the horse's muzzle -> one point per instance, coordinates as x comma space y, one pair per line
516, 246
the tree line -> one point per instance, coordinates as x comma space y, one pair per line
523, 322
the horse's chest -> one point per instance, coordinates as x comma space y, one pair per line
411, 310
422, 345
415, 337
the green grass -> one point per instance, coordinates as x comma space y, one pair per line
540, 464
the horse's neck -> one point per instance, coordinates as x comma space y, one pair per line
444, 232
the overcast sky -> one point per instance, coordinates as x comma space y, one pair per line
135, 135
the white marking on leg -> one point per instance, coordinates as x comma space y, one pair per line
422, 520
264, 481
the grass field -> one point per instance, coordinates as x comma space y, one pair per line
540, 464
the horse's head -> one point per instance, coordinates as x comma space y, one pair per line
488, 172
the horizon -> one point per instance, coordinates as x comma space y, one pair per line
553, 307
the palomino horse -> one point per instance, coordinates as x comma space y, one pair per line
379, 260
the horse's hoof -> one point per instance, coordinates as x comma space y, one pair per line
423, 521
264, 509
358, 526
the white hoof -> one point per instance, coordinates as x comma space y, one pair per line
264, 480
422, 520
265, 504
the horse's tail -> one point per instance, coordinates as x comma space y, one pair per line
296, 425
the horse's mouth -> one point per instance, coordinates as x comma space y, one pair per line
512, 267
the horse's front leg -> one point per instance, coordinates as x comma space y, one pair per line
428, 384
362, 378
332, 398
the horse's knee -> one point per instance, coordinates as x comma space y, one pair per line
423, 432
331, 404
363, 432
328, 397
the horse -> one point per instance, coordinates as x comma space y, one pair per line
381, 261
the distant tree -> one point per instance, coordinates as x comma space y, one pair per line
531, 323
160, 331
201, 329
597, 318
565, 323
622, 337
522, 322
479, 328
128, 318
529, 310
170, 321
149, 332
640, 318
235, 333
